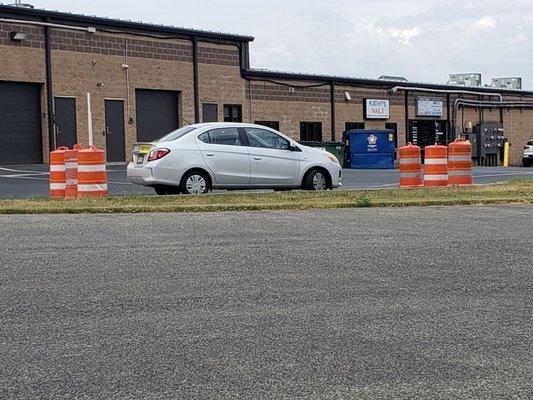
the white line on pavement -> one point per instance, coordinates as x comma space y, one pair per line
24, 171
509, 174
26, 176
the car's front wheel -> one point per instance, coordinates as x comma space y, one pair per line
316, 180
526, 163
195, 182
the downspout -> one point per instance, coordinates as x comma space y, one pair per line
196, 85
251, 91
333, 111
406, 104
49, 89
449, 120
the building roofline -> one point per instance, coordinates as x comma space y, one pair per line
103, 22
349, 81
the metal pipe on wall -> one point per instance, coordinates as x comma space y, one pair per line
49, 90
464, 103
333, 111
87, 29
195, 79
444, 91
406, 105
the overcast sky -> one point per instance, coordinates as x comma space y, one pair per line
423, 40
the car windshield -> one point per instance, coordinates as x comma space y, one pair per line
176, 134
530, 143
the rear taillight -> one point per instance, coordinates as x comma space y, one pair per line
158, 154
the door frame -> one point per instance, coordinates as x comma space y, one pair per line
123, 123
75, 98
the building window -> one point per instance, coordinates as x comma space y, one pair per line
311, 131
269, 124
354, 125
210, 112
232, 113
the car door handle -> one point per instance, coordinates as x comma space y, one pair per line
210, 154
258, 158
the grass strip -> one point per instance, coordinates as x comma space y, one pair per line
516, 191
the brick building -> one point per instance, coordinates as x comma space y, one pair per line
146, 80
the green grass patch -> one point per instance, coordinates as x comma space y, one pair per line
517, 191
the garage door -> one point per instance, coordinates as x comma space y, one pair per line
157, 113
20, 124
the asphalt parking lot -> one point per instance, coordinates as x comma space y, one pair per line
422, 303
32, 180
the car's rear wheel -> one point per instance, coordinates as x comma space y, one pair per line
195, 182
526, 163
316, 180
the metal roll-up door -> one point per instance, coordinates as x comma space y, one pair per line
157, 113
20, 124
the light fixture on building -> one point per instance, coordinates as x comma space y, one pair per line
347, 96
18, 36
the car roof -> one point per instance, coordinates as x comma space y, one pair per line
225, 125
214, 125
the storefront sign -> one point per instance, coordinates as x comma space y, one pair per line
377, 109
429, 107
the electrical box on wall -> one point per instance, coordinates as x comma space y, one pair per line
487, 140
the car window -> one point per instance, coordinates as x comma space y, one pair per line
177, 134
225, 136
266, 139
204, 137
530, 143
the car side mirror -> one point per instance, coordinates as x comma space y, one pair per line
293, 147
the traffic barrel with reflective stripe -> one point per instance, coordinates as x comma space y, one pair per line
410, 166
71, 172
57, 173
92, 176
436, 166
460, 162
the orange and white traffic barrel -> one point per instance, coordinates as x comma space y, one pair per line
436, 166
57, 173
92, 176
410, 166
71, 172
460, 163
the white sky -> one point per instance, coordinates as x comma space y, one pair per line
421, 40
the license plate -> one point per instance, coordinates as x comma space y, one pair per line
145, 148
140, 159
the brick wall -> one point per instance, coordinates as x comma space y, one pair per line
272, 92
34, 35
219, 55
115, 45
75, 74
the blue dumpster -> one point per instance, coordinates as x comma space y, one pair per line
370, 149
